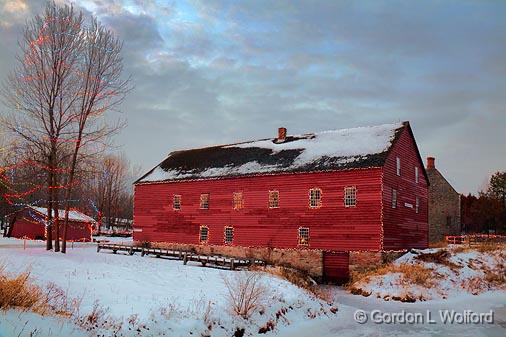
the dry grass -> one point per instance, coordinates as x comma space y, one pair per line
411, 274
487, 247
21, 293
442, 256
300, 279
496, 278
440, 244
18, 292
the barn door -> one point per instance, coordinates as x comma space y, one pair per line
336, 267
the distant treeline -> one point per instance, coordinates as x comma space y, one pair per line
486, 212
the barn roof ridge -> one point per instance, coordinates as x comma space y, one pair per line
74, 215
358, 147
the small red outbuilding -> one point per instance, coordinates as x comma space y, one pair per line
29, 223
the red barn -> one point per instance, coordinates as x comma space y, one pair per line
29, 223
309, 201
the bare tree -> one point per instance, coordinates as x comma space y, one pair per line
41, 93
101, 89
110, 190
68, 76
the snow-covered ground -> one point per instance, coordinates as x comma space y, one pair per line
149, 296
344, 324
442, 273
153, 297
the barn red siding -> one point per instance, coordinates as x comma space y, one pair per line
402, 226
332, 226
78, 231
25, 229
25, 226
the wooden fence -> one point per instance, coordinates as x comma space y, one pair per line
216, 261
475, 239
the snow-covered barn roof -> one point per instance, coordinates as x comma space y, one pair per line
359, 147
73, 214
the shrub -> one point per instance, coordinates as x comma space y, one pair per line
246, 293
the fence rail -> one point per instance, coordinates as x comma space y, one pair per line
216, 261
475, 239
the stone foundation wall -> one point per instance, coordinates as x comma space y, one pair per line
310, 261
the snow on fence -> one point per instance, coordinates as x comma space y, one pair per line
474, 239
216, 261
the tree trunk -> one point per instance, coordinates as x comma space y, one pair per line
54, 198
49, 228
68, 192
56, 214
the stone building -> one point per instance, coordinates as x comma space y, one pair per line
444, 205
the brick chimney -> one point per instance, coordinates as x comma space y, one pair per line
281, 134
430, 163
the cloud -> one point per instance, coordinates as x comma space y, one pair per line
215, 72
15, 6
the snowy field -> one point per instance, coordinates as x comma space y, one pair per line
148, 296
145, 296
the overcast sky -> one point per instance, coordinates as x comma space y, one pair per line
215, 72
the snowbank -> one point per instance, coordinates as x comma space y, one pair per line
436, 274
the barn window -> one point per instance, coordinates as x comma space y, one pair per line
204, 234
177, 202
417, 205
394, 198
315, 198
448, 221
204, 201
273, 199
398, 165
350, 196
229, 234
238, 201
416, 174
303, 236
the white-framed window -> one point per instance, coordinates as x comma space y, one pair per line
416, 174
204, 201
398, 165
350, 196
273, 199
303, 236
229, 234
315, 198
394, 198
203, 234
238, 201
417, 204
176, 203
